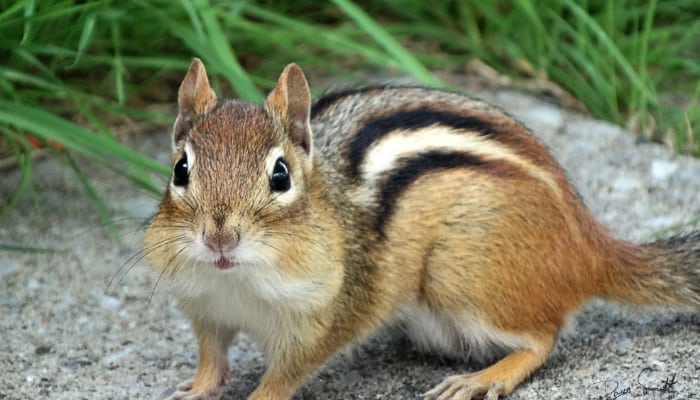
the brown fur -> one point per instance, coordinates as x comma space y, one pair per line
497, 246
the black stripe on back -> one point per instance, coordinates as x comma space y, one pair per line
409, 170
411, 120
324, 102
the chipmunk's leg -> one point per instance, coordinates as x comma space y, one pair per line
287, 370
497, 380
283, 377
212, 372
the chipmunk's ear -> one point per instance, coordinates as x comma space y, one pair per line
194, 99
291, 102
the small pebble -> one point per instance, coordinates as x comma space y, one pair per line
115, 357
545, 116
625, 183
662, 170
110, 303
41, 350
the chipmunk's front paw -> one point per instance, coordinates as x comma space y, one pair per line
184, 391
465, 387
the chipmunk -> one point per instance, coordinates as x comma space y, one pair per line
311, 225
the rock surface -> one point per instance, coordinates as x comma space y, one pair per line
87, 320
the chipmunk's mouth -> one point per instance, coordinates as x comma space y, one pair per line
224, 263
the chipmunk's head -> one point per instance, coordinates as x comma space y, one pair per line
238, 193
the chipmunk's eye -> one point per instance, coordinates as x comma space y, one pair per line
181, 173
280, 181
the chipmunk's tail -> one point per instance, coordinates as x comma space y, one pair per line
664, 272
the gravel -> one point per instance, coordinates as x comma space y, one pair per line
87, 320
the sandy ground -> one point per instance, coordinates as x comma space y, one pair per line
86, 320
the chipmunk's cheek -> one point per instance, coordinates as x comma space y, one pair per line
254, 254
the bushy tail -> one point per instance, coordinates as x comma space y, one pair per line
664, 272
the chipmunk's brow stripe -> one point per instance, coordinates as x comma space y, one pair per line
410, 169
412, 120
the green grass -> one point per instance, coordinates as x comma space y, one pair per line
70, 69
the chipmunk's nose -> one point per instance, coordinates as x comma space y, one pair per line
222, 242
219, 233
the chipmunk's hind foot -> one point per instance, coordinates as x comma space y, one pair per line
464, 387
497, 380
184, 391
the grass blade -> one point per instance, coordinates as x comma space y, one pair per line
404, 60
85, 36
94, 198
27, 249
614, 52
24, 161
227, 61
53, 128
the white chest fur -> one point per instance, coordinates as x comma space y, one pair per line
255, 299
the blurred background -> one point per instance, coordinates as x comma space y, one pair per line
77, 76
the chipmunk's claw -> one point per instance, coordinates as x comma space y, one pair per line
464, 387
